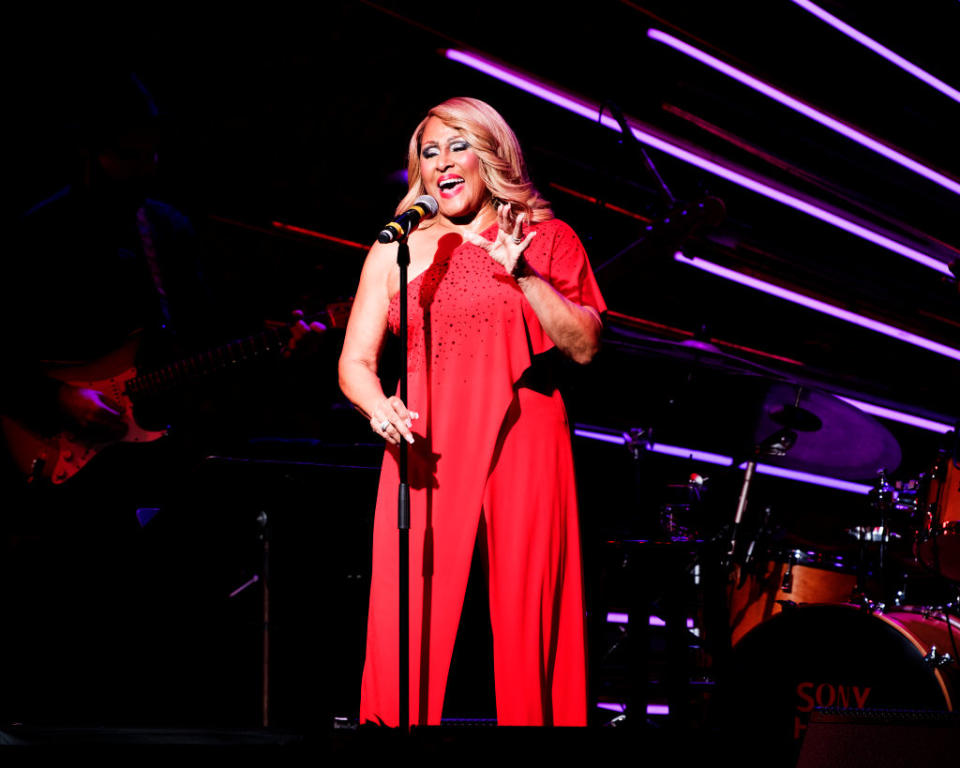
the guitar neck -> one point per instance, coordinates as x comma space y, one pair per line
230, 355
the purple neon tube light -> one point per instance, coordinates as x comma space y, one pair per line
652, 709
581, 108
819, 306
653, 621
715, 458
668, 450
806, 110
903, 418
882, 50
686, 453
807, 477
601, 436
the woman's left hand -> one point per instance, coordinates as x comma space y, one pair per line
507, 249
302, 334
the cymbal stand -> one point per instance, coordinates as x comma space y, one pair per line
263, 521
777, 444
741, 509
263, 577
882, 500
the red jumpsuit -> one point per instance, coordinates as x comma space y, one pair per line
485, 444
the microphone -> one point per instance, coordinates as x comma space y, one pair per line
423, 207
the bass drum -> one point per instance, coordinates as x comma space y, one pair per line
835, 656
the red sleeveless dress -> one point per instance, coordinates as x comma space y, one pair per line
486, 445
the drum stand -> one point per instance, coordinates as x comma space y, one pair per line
874, 552
263, 536
656, 579
776, 444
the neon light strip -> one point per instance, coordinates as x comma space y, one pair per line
685, 453
807, 477
601, 436
877, 48
591, 113
805, 110
652, 709
715, 458
819, 306
903, 418
653, 621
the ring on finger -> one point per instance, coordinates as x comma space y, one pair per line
384, 424
517, 240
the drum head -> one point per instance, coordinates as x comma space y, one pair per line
831, 656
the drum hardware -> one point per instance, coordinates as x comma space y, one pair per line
882, 500
680, 517
652, 646
787, 605
873, 534
638, 441
937, 544
937, 659
937, 612
867, 605
738, 516
790, 419
759, 419
670, 521
786, 583
833, 437
759, 538
901, 594
804, 420
881, 568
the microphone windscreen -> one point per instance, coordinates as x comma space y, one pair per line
428, 202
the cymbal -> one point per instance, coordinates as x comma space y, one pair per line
829, 436
730, 404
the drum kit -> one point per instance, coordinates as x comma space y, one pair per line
826, 628
860, 616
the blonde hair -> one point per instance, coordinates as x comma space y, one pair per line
502, 167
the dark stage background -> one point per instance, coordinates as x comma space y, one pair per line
302, 119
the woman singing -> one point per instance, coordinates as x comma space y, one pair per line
495, 282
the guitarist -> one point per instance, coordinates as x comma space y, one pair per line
91, 266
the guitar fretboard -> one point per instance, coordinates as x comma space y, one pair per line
229, 355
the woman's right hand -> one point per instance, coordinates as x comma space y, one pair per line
392, 420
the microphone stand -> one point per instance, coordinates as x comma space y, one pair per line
403, 506
630, 140
399, 229
667, 234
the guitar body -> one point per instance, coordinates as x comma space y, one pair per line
56, 458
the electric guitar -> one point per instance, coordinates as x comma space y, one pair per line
58, 457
